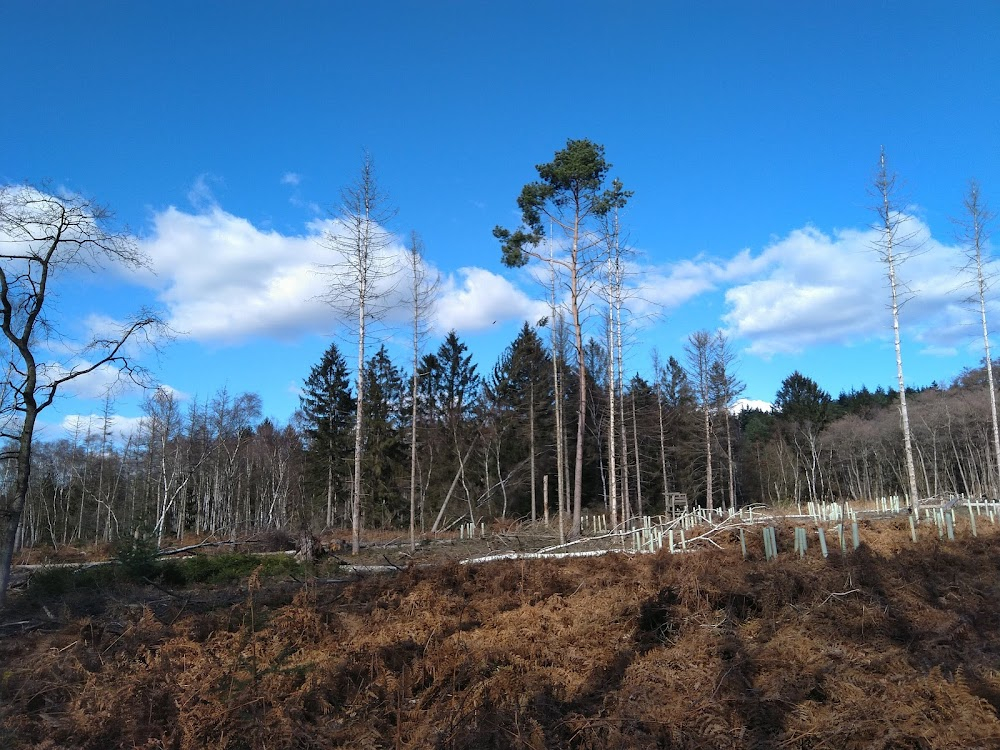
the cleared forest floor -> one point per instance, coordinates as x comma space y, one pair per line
895, 645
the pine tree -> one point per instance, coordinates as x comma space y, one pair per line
681, 427
803, 412
449, 392
328, 413
518, 397
570, 195
385, 450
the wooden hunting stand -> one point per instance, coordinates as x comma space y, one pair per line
676, 504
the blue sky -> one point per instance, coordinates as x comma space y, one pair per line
222, 133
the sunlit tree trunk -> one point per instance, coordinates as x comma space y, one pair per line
976, 220
360, 244
890, 249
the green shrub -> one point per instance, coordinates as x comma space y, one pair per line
51, 583
231, 567
137, 556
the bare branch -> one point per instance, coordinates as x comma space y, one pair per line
42, 235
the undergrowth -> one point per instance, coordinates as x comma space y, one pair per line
229, 568
137, 565
872, 650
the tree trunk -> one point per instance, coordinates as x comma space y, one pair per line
10, 515
612, 438
708, 461
663, 447
581, 408
638, 466
531, 427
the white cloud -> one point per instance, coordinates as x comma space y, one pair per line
473, 299
743, 404
201, 195
176, 394
104, 381
939, 351
811, 288
223, 279
291, 178
120, 427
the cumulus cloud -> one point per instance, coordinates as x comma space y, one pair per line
473, 299
743, 404
119, 427
814, 288
224, 280
105, 380
291, 178
667, 288
811, 288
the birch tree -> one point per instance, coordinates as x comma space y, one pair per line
976, 234
43, 238
423, 291
892, 247
614, 289
570, 194
358, 273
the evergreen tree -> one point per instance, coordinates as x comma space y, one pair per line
328, 416
385, 448
457, 381
642, 428
449, 393
803, 411
518, 400
683, 446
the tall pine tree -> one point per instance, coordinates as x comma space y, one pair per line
518, 398
328, 414
384, 457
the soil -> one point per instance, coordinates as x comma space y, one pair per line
894, 645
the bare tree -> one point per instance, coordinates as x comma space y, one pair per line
892, 246
976, 235
42, 238
556, 325
423, 290
358, 274
614, 291
612, 416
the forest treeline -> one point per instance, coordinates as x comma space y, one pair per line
555, 426
487, 449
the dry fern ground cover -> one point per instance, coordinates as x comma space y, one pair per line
895, 645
